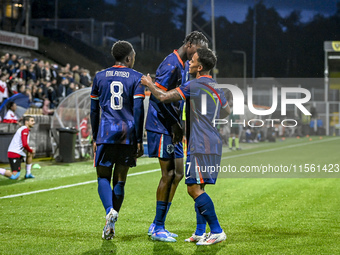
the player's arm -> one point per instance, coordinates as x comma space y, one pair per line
225, 112
163, 96
24, 139
95, 113
138, 114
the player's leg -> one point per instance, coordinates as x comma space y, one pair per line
160, 146
163, 191
15, 164
125, 158
104, 162
201, 222
203, 202
29, 160
179, 171
6, 173
237, 142
231, 138
119, 180
105, 194
193, 177
205, 207
104, 186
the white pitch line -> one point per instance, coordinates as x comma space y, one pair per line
280, 148
155, 170
70, 185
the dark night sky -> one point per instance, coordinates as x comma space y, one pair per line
236, 10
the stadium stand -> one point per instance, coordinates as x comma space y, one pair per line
46, 84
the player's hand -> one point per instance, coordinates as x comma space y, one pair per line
94, 147
177, 133
146, 80
140, 150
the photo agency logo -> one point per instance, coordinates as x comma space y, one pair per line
302, 96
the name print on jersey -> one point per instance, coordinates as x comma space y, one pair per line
118, 73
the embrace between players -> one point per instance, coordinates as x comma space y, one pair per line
118, 92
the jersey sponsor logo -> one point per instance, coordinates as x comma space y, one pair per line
118, 74
170, 148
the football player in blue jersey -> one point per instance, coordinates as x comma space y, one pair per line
164, 131
204, 102
118, 94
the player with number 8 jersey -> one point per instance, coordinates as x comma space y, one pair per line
118, 87
118, 94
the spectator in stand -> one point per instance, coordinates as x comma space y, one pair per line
3, 87
39, 70
85, 78
31, 73
10, 116
14, 62
62, 88
46, 108
37, 95
69, 76
47, 72
54, 72
76, 75
22, 73
51, 95
71, 89
67, 68
3, 63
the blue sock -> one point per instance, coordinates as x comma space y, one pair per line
206, 208
105, 193
201, 223
167, 210
118, 195
161, 209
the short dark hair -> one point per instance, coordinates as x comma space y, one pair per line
27, 118
197, 38
121, 49
9, 105
207, 58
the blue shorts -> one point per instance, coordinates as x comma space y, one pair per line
202, 168
109, 154
161, 146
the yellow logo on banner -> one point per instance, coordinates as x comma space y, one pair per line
336, 46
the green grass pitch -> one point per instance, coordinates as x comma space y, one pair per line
270, 213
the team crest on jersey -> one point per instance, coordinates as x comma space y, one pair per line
170, 148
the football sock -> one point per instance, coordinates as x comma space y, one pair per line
206, 208
161, 209
118, 195
28, 168
105, 193
167, 210
200, 221
2, 171
237, 145
230, 142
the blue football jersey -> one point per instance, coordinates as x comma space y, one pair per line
116, 88
171, 73
203, 105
